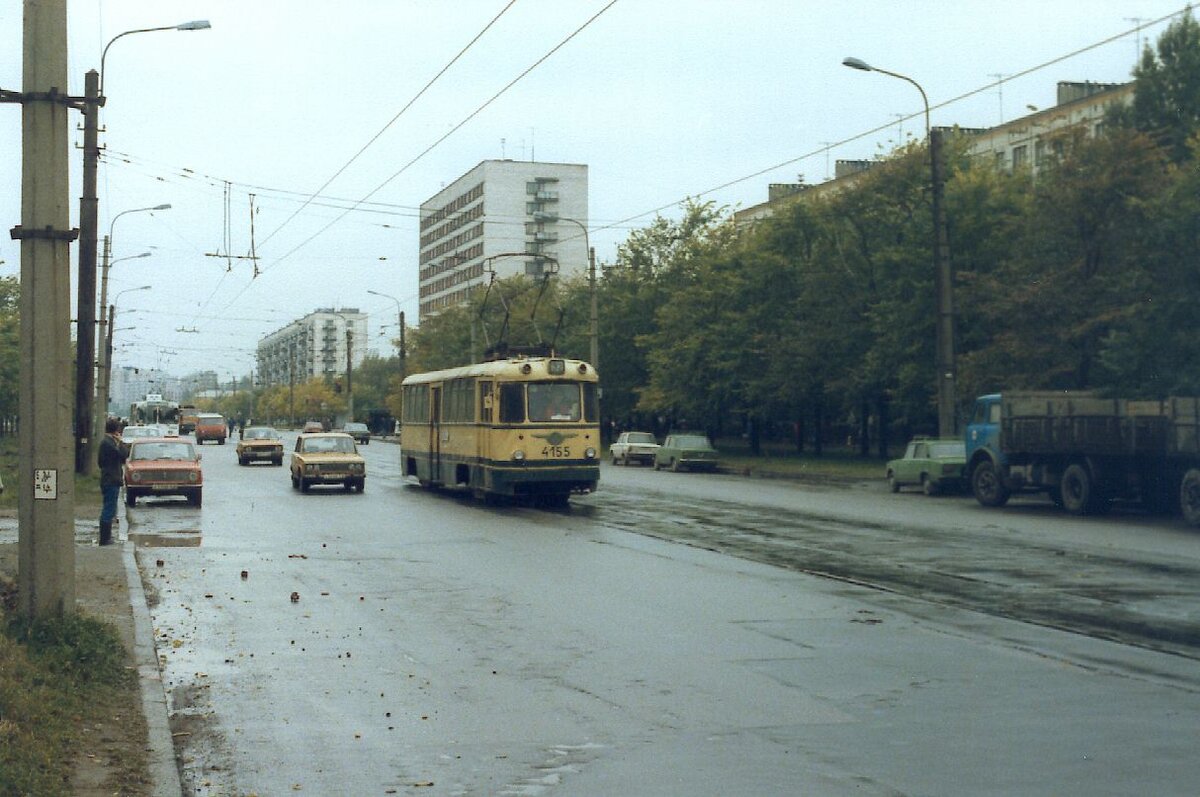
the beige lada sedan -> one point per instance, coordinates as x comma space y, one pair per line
327, 458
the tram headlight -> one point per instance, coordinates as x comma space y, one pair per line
518, 456
589, 453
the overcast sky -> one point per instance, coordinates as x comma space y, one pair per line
662, 99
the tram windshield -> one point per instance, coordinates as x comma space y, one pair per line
553, 401
547, 402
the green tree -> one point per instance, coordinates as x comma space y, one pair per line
1074, 275
1166, 100
10, 297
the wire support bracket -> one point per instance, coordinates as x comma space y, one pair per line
20, 233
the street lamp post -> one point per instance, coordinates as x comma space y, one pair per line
97, 414
106, 370
85, 338
594, 318
100, 405
400, 317
198, 24
945, 384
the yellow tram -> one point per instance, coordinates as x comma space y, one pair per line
524, 425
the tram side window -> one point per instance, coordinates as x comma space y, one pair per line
416, 404
591, 407
460, 401
512, 402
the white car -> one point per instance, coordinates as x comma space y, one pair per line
639, 447
132, 432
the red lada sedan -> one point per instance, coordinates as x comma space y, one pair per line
163, 466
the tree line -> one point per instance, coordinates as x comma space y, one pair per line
818, 324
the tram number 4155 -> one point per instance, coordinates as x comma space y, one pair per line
556, 452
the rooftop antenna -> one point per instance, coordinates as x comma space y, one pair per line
827, 144
1000, 92
1138, 38
502, 142
532, 141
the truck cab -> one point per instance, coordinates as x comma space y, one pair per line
987, 466
983, 430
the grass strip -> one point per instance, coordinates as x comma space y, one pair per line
57, 676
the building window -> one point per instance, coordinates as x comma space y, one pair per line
1019, 156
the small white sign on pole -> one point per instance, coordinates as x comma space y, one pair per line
45, 484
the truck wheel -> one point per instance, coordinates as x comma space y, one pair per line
987, 486
1189, 496
1078, 490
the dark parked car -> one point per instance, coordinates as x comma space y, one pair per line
358, 431
686, 451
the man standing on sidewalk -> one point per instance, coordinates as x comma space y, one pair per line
111, 457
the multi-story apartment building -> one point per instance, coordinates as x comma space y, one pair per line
1022, 143
1025, 142
503, 216
315, 345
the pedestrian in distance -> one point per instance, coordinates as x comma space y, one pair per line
111, 457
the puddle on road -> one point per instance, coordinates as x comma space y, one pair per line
175, 539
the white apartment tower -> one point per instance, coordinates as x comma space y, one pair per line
511, 217
315, 345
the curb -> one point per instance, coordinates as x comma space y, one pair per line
164, 775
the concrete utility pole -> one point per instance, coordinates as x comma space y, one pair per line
946, 376
85, 310
594, 321
46, 513
349, 370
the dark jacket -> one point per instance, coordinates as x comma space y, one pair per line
111, 457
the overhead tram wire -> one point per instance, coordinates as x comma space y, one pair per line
392, 121
887, 125
285, 195
447, 135
167, 173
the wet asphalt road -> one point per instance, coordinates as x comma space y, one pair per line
803, 639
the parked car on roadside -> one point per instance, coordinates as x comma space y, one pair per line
134, 431
686, 451
934, 465
260, 443
327, 458
211, 426
358, 431
638, 447
162, 466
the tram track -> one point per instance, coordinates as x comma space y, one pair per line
1131, 600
